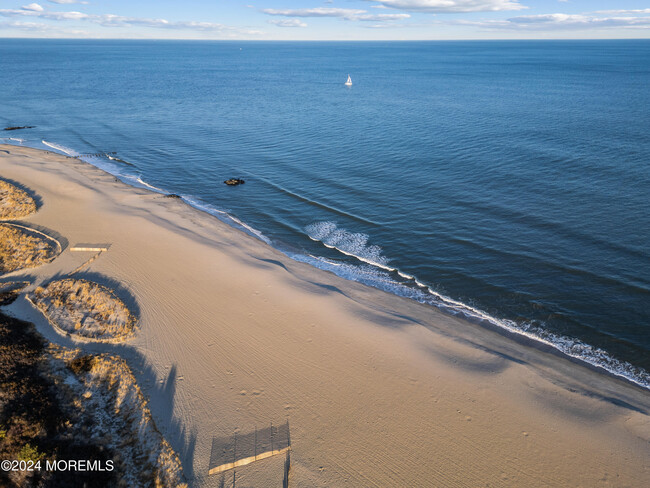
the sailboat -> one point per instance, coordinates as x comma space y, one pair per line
349, 82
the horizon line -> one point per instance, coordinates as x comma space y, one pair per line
326, 40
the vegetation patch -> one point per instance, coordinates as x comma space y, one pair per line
20, 248
120, 419
9, 291
14, 202
82, 364
85, 310
38, 422
57, 405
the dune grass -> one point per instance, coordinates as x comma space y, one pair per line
37, 420
9, 291
21, 249
84, 309
59, 403
117, 416
14, 202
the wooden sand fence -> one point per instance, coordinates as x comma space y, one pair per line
98, 249
242, 449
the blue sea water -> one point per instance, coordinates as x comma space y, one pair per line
505, 181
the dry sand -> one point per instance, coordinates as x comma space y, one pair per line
380, 391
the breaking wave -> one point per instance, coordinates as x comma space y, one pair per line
349, 243
375, 272
60, 148
149, 186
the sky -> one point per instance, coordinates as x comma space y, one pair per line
326, 19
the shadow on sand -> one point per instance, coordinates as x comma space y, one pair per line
160, 392
38, 200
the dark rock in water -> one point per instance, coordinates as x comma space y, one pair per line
21, 127
234, 182
172, 195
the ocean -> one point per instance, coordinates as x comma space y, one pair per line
504, 181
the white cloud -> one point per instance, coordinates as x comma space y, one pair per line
35, 7
67, 1
625, 12
44, 14
386, 25
314, 12
110, 20
287, 23
343, 13
44, 29
548, 18
28, 26
381, 17
561, 21
452, 6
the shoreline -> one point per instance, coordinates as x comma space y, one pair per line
590, 356
201, 284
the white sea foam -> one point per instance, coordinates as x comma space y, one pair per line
148, 185
226, 217
137, 180
375, 271
349, 243
59, 147
378, 276
405, 275
252, 230
134, 180
10, 140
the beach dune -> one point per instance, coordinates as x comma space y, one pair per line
379, 391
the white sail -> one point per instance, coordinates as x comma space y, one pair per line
349, 82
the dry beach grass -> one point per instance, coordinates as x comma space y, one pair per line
9, 291
117, 416
15, 203
20, 248
58, 404
85, 310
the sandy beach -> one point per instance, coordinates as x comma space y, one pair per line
379, 390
